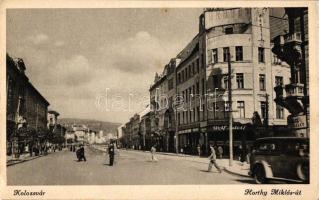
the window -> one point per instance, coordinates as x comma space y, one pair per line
203, 87
226, 109
198, 113
261, 54
193, 66
186, 74
186, 95
170, 84
226, 53
279, 112
183, 117
183, 76
197, 87
239, 53
241, 109
214, 56
197, 65
262, 82
279, 80
229, 30
275, 59
179, 78
240, 80
190, 70
215, 81
203, 61
179, 118
226, 82
267, 147
263, 109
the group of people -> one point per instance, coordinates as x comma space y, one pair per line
80, 153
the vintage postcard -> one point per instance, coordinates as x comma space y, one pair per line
159, 100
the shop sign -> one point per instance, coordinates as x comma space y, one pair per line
299, 122
224, 128
195, 129
185, 131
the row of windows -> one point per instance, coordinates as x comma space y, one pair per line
239, 54
193, 90
189, 115
240, 81
188, 72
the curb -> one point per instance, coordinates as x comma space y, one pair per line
25, 160
235, 173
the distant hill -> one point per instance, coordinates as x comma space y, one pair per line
96, 125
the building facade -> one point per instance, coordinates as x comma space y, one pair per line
293, 48
24, 102
191, 97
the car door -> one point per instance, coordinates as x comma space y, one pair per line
274, 157
288, 159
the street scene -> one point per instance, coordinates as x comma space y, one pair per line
158, 97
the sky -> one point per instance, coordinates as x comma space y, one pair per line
97, 63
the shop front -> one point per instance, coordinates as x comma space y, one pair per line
189, 139
243, 138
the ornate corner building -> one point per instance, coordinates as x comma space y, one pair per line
293, 49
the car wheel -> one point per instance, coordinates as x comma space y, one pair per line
260, 175
303, 171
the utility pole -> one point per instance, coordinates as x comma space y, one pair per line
267, 112
230, 114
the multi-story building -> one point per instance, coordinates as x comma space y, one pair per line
194, 88
24, 101
293, 48
145, 128
190, 88
244, 34
202, 79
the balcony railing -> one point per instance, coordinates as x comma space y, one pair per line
294, 90
292, 37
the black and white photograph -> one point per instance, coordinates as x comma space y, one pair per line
158, 96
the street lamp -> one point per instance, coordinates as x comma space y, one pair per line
215, 97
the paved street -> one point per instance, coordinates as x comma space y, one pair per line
131, 167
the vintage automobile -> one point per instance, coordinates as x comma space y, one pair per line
283, 158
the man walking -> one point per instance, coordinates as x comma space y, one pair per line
111, 153
80, 153
153, 151
212, 159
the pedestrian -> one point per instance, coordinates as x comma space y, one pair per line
111, 153
239, 152
153, 151
80, 153
220, 151
212, 160
198, 150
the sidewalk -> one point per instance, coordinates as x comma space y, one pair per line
23, 158
238, 168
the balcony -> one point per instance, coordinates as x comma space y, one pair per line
288, 48
294, 90
294, 37
292, 98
